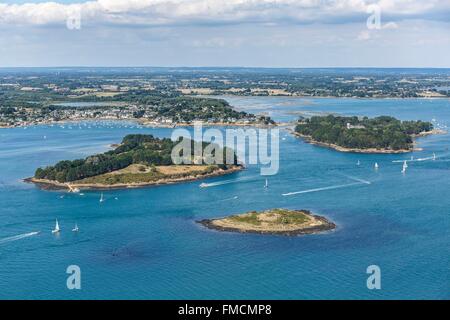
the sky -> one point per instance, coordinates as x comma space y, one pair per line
247, 33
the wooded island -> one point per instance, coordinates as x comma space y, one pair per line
138, 161
382, 134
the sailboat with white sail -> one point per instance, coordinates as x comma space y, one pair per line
75, 229
267, 184
102, 199
376, 166
57, 229
405, 166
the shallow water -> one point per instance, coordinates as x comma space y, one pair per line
146, 243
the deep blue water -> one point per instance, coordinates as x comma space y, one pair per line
146, 244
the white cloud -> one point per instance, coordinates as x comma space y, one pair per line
413, 44
369, 34
217, 42
172, 12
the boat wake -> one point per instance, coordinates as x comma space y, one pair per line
433, 157
219, 183
415, 160
228, 199
426, 159
357, 179
341, 186
18, 237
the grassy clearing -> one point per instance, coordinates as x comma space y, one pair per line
272, 217
250, 218
137, 173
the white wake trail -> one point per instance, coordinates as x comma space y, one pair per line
415, 160
228, 199
357, 179
421, 159
18, 237
324, 189
425, 159
219, 183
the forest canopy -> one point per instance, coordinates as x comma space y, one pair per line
134, 149
382, 132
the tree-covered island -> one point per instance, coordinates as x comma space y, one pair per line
140, 160
382, 134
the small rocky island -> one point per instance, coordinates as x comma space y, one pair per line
363, 135
140, 160
273, 221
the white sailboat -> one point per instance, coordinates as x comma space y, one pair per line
101, 198
405, 166
267, 184
376, 166
359, 163
75, 229
57, 229
434, 156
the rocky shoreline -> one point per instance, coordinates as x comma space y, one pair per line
321, 224
51, 185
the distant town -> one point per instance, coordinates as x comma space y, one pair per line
48, 97
169, 97
208, 111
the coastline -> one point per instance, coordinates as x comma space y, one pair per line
324, 97
147, 124
207, 124
429, 133
309, 140
45, 184
319, 224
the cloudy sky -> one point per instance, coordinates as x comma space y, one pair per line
255, 33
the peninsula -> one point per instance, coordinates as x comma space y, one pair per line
363, 135
140, 160
273, 221
149, 109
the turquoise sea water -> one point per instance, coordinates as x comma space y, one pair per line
146, 245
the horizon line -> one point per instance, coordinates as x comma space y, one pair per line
216, 67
